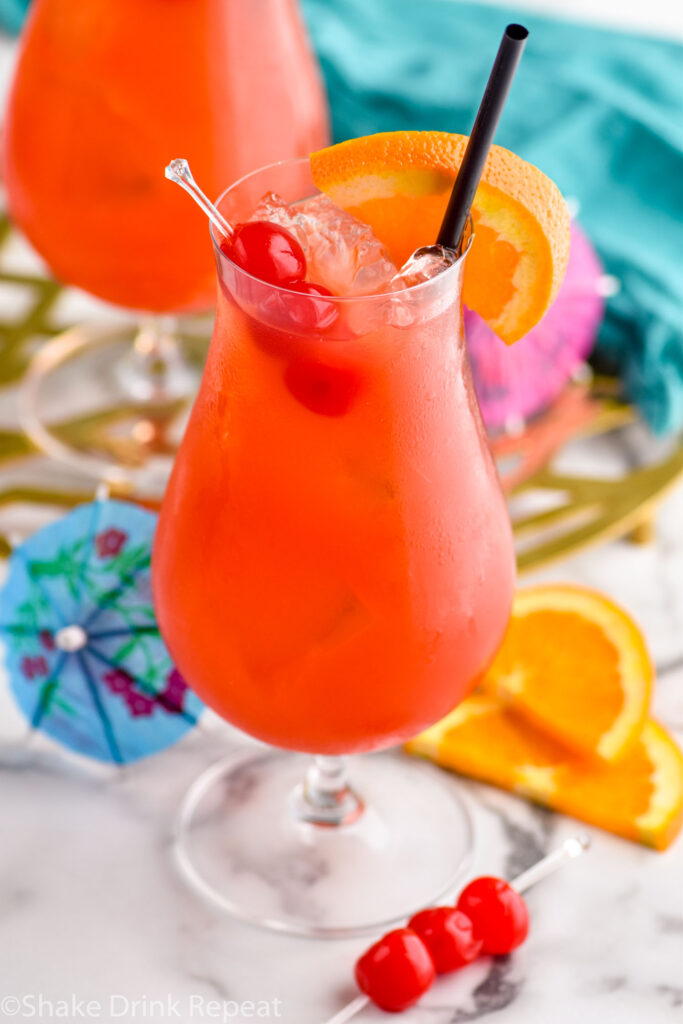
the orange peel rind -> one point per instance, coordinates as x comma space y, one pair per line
576, 665
640, 797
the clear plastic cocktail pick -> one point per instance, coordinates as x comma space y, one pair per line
179, 171
570, 848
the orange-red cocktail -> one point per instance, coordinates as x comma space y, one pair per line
334, 564
105, 93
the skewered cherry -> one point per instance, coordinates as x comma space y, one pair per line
448, 935
498, 913
396, 971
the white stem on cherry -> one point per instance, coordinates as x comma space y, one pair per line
569, 849
179, 171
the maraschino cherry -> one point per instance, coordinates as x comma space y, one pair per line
498, 913
272, 254
490, 917
321, 388
396, 971
313, 311
448, 935
266, 251
489, 912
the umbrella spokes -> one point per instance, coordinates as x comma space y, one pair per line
140, 694
86, 661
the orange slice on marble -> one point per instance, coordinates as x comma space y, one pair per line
575, 664
640, 797
399, 184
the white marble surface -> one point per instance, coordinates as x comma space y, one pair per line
91, 907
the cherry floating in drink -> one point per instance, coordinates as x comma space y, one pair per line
321, 388
311, 312
268, 252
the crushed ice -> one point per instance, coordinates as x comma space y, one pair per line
343, 254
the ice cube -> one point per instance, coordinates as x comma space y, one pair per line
276, 210
425, 263
341, 252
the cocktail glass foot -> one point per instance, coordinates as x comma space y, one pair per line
112, 400
307, 852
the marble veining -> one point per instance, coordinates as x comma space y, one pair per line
493, 994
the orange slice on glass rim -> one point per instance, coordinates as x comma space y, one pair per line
399, 184
575, 664
639, 798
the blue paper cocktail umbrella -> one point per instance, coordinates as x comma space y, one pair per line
85, 659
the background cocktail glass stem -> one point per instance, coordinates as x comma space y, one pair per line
155, 369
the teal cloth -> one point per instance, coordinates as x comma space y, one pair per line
601, 112
12, 14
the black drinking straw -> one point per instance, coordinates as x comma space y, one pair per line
486, 122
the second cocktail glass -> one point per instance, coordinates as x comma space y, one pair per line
333, 570
102, 93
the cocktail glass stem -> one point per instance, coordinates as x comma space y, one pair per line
325, 796
155, 369
126, 387
281, 840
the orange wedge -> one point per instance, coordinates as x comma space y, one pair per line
576, 665
399, 183
640, 797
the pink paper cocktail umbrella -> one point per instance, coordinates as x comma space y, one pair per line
515, 382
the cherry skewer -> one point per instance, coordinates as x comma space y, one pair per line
548, 865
